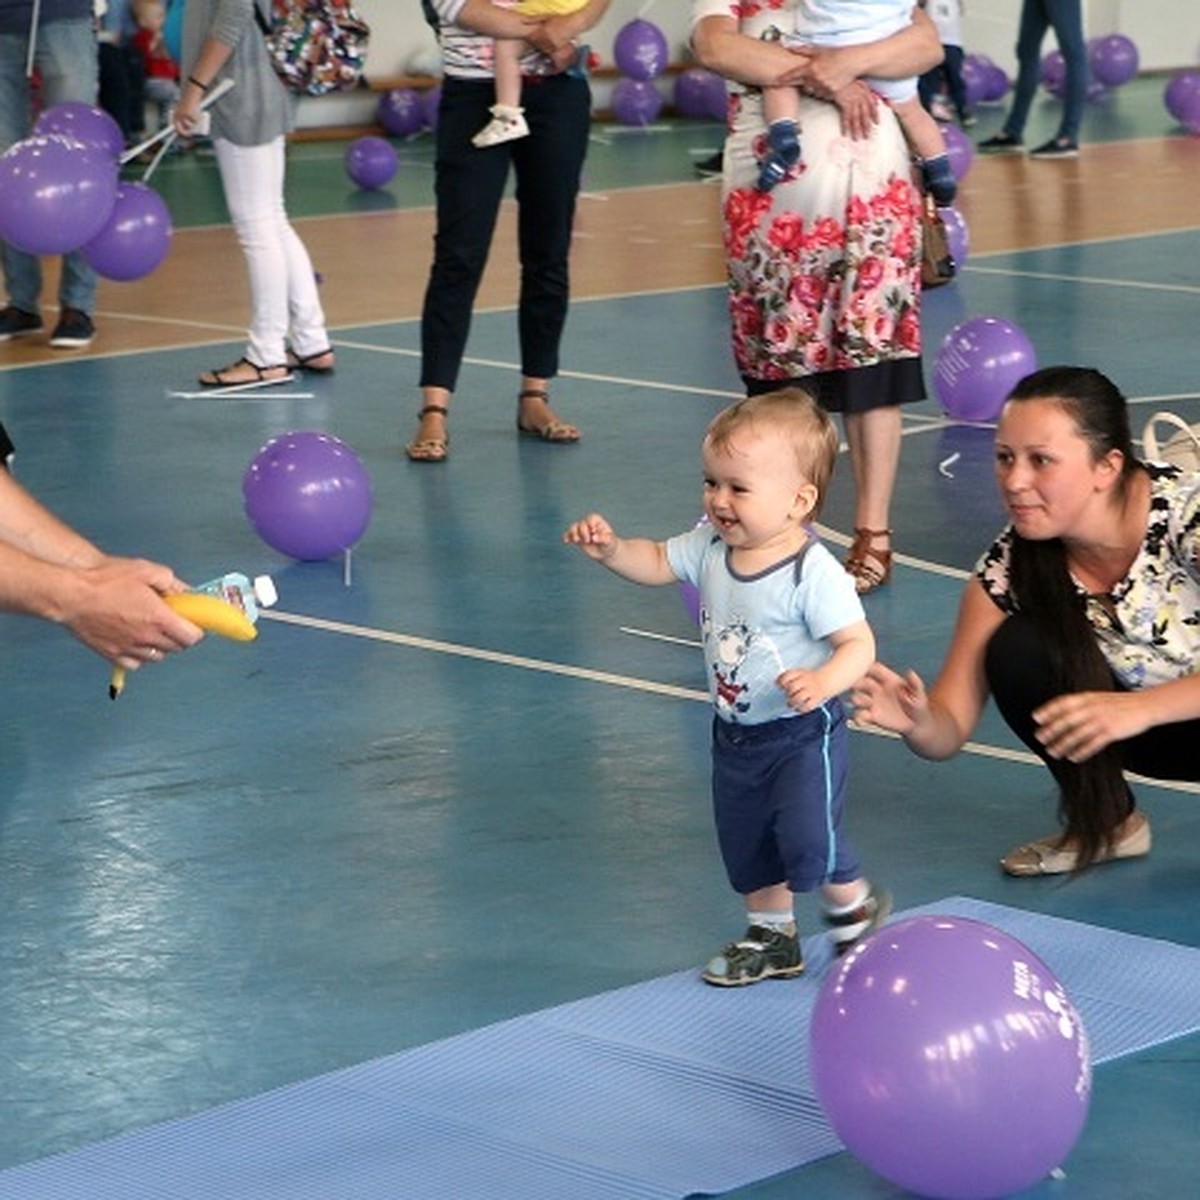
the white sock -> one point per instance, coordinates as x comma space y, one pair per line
778, 921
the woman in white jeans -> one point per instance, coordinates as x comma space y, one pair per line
222, 39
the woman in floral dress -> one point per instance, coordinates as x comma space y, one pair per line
824, 270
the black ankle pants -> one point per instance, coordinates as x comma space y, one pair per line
470, 185
1021, 679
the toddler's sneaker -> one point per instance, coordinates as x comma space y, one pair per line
848, 929
73, 331
761, 954
783, 141
507, 125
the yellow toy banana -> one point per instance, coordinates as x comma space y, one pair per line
208, 608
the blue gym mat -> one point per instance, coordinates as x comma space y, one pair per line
650, 1091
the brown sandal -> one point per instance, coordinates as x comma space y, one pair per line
871, 568
430, 449
553, 430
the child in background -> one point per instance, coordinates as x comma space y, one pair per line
508, 117
947, 16
784, 634
853, 23
162, 71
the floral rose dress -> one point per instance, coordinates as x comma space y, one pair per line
824, 270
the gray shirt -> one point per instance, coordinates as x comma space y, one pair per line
258, 108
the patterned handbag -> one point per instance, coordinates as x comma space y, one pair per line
316, 46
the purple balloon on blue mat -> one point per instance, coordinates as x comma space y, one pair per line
55, 193
307, 495
978, 363
85, 123
1054, 73
950, 1060
136, 236
371, 162
640, 49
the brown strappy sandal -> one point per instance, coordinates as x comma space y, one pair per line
430, 449
870, 567
560, 432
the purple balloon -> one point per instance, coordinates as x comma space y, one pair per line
640, 50
136, 236
635, 101
1113, 59
689, 596
693, 91
957, 234
996, 84
959, 148
370, 162
950, 1060
85, 123
1054, 73
55, 194
399, 112
979, 362
1182, 99
307, 495
431, 98
975, 81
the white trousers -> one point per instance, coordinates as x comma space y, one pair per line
284, 305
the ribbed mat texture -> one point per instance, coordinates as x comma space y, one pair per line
654, 1090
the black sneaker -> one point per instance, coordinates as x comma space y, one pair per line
73, 331
848, 929
1002, 143
712, 167
16, 322
761, 954
1059, 147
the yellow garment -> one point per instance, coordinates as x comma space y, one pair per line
548, 8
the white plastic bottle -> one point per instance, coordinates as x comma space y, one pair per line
243, 593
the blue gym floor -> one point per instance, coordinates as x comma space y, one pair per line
484, 791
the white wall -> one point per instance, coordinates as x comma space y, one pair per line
1166, 33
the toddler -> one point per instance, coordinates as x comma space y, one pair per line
784, 634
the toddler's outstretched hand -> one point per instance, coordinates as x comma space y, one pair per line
594, 536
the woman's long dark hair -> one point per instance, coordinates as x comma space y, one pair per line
1094, 798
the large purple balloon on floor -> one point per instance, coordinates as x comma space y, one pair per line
959, 148
307, 495
55, 194
399, 112
370, 162
978, 364
136, 236
430, 99
640, 49
996, 83
85, 123
635, 101
950, 1060
1113, 59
